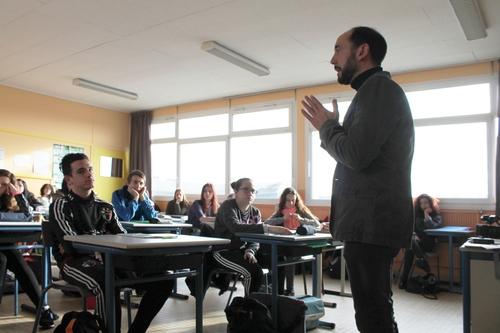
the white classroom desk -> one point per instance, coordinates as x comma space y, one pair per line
144, 245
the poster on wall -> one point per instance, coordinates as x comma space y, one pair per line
22, 163
41, 163
58, 153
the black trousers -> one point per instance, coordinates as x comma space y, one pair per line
24, 274
418, 249
89, 273
369, 268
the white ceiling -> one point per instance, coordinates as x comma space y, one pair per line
152, 47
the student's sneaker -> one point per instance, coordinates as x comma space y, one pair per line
47, 319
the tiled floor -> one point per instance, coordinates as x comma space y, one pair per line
414, 313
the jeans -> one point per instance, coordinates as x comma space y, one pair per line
369, 268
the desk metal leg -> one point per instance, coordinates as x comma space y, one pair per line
16, 298
109, 286
199, 297
450, 262
274, 294
176, 295
317, 275
342, 278
466, 290
46, 265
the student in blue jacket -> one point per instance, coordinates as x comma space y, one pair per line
132, 201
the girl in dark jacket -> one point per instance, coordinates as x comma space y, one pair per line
179, 205
205, 209
426, 217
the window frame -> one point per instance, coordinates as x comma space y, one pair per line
291, 128
490, 118
231, 112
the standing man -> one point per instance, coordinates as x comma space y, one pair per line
371, 206
132, 202
80, 212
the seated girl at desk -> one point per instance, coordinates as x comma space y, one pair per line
291, 214
12, 259
179, 205
239, 215
426, 217
204, 210
46, 195
30, 197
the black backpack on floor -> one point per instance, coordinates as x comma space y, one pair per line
80, 322
426, 286
247, 315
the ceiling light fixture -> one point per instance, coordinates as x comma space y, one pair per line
104, 88
469, 16
235, 58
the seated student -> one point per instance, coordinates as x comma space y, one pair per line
132, 202
15, 261
179, 205
426, 217
46, 195
81, 212
32, 200
238, 215
291, 214
204, 210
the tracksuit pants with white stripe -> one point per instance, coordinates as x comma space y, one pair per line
88, 272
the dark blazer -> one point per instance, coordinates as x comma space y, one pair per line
371, 196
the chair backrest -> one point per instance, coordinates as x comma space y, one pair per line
48, 233
206, 230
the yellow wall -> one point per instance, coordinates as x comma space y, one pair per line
31, 123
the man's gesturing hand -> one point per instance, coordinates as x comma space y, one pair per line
315, 112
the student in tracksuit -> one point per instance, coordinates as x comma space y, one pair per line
81, 212
238, 215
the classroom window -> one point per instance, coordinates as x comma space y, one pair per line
454, 143
200, 163
163, 130
450, 101
163, 168
275, 118
321, 164
453, 130
449, 164
266, 159
204, 126
219, 147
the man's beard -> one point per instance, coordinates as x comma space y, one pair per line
348, 70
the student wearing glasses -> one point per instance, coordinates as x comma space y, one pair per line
239, 215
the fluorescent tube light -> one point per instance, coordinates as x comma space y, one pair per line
104, 88
235, 58
469, 16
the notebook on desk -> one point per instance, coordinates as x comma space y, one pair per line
15, 217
